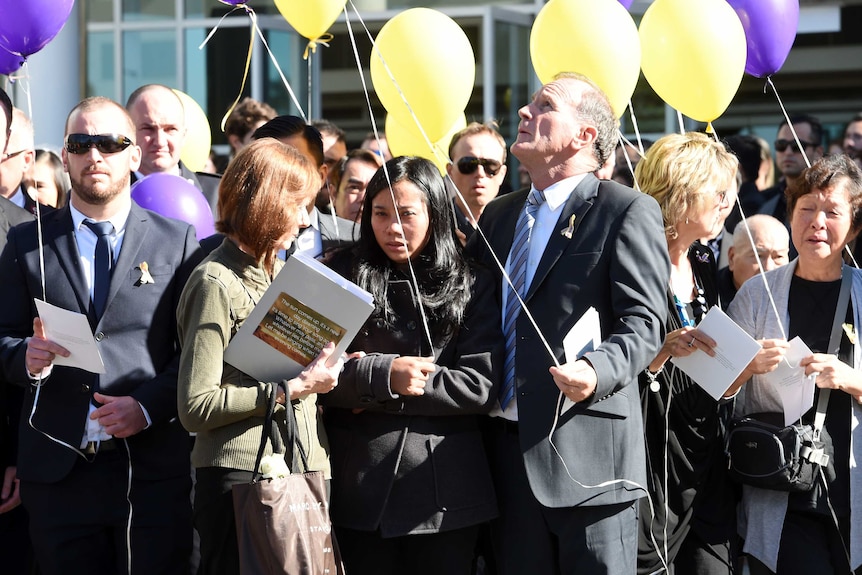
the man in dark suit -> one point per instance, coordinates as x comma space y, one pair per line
15, 548
160, 122
568, 503
101, 453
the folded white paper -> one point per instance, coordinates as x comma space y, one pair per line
734, 350
585, 336
72, 331
795, 389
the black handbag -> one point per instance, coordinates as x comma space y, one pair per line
762, 452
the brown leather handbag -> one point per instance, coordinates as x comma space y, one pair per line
282, 523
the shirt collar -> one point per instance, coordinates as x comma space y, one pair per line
557, 193
118, 220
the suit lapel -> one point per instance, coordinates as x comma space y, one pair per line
133, 238
579, 203
59, 232
508, 219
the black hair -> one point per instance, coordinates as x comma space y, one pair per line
6, 104
444, 277
286, 126
747, 149
816, 126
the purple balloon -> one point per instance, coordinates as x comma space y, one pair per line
9, 62
232, 2
175, 197
770, 29
627, 3
27, 26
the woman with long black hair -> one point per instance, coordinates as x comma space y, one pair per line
410, 481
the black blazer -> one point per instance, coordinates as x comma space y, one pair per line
410, 465
616, 261
137, 338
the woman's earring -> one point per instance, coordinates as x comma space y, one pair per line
686, 221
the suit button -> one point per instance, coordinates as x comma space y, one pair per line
411, 325
523, 394
85, 388
99, 336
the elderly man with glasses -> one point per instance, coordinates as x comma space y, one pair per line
103, 463
478, 169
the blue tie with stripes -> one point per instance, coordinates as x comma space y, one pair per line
518, 275
102, 263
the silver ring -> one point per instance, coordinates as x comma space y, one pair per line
691, 343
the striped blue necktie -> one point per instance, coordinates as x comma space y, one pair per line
518, 275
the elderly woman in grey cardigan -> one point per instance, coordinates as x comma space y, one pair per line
789, 533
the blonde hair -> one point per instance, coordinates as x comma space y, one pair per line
260, 194
684, 172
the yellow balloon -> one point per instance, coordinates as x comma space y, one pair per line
196, 149
311, 18
596, 38
694, 55
432, 64
407, 141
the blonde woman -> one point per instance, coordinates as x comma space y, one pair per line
693, 178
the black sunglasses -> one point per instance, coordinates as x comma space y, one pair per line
781, 145
105, 143
469, 164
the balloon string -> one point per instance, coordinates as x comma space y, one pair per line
280, 73
323, 40
250, 12
789, 123
414, 281
681, 122
395, 83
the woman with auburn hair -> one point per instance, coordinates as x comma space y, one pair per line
262, 201
693, 178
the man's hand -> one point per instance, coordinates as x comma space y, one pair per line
576, 380
10, 496
40, 351
120, 416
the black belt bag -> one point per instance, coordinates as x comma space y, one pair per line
764, 453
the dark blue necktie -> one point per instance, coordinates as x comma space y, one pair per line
518, 274
103, 262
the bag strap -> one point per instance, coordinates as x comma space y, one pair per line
265, 431
834, 344
291, 438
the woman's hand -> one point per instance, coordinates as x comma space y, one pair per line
681, 343
408, 374
832, 373
771, 353
317, 377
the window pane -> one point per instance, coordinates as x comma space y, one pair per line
99, 10
284, 47
149, 58
100, 64
136, 10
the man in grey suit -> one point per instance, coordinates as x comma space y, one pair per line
101, 453
567, 504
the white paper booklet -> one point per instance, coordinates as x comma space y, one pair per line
307, 306
585, 336
71, 330
734, 350
795, 389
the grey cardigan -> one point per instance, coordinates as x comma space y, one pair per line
761, 514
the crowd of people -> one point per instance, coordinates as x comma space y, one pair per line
458, 433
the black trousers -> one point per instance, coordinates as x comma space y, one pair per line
79, 525
529, 538
368, 553
809, 544
214, 519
